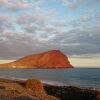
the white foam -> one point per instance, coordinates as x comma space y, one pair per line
13, 78
56, 83
49, 82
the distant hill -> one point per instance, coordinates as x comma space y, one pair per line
50, 59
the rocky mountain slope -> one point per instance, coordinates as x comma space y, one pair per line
49, 59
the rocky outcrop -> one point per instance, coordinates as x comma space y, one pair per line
98, 96
72, 93
29, 90
35, 86
49, 59
33, 89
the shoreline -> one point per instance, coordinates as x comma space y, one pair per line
53, 92
48, 82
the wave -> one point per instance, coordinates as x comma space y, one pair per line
49, 82
13, 78
56, 83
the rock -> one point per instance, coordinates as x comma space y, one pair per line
71, 93
13, 88
35, 86
49, 59
31, 90
98, 96
16, 98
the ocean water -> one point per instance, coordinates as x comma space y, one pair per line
82, 77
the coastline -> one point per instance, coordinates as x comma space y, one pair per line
35, 90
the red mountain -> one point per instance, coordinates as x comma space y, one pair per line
49, 59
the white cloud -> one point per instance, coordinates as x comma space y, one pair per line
72, 4
3, 2
41, 29
85, 18
15, 5
5, 23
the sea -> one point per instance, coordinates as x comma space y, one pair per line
80, 77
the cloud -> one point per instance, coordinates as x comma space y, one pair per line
18, 5
74, 23
5, 23
87, 42
98, 17
73, 42
3, 2
14, 5
96, 1
72, 4
85, 18
12, 43
39, 36
29, 28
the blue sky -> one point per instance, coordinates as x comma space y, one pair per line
32, 26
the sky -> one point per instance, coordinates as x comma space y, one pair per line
33, 26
